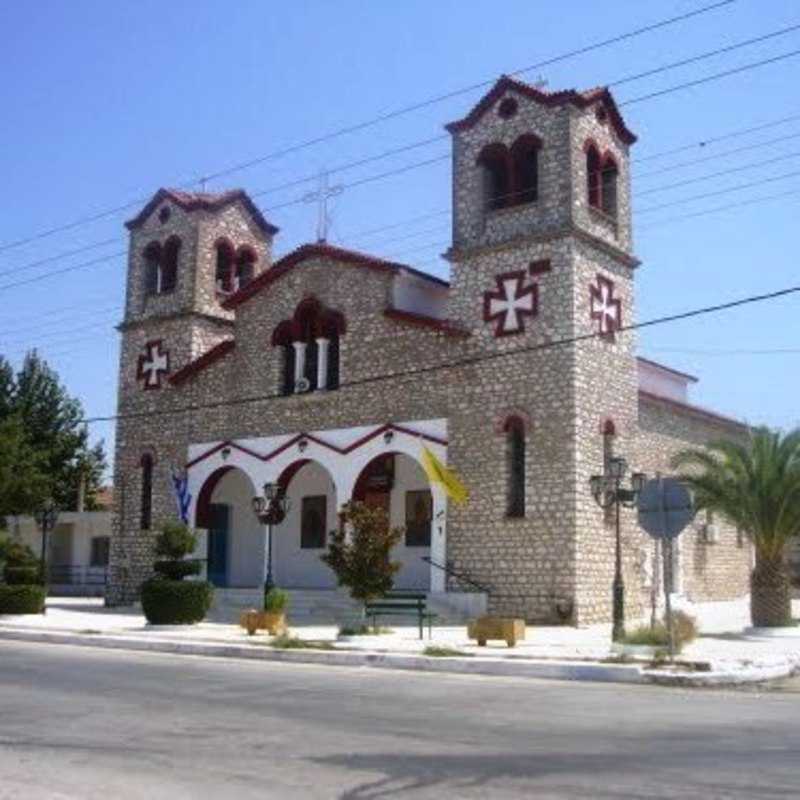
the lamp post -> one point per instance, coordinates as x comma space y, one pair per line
270, 508
608, 491
46, 517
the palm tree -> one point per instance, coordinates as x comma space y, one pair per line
756, 487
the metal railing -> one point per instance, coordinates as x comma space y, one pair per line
78, 575
459, 576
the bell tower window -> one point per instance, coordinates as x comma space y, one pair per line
245, 267
152, 268
223, 276
525, 161
494, 162
608, 186
593, 176
169, 264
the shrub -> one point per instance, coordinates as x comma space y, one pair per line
363, 629
276, 601
16, 554
22, 599
177, 570
684, 628
437, 651
175, 541
286, 642
175, 602
18, 576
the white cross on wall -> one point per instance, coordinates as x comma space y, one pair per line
605, 308
153, 365
510, 302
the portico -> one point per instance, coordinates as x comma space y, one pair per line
321, 470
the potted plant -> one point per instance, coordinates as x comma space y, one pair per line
273, 617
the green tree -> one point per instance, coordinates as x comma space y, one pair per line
756, 487
361, 559
52, 431
24, 482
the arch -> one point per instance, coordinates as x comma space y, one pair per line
494, 159
609, 173
223, 274
502, 421
202, 513
152, 268
169, 264
525, 169
246, 259
608, 428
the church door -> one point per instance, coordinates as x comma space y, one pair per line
218, 544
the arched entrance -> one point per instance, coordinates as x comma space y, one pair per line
398, 484
234, 541
303, 536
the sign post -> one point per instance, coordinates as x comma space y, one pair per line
665, 509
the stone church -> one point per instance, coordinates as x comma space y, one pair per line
326, 371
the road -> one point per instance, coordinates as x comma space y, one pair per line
90, 723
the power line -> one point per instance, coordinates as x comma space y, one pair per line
63, 270
80, 312
469, 360
277, 154
718, 192
105, 324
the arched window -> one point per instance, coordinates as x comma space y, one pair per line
245, 267
169, 264
525, 164
152, 268
593, 175
515, 450
310, 344
224, 271
608, 186
494, 161
146, 465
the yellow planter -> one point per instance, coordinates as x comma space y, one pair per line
509, 629
272, 622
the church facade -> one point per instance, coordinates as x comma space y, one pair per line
327, 370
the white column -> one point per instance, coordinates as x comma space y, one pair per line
322, 362
299, 360
438, 539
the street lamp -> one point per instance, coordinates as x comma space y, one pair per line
46, 517
608, 491
270, 508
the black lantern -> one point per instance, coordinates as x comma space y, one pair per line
270, 508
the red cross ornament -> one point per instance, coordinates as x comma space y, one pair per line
509, 304
153, 364
605, 309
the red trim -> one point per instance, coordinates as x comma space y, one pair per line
154, 344
596, 293
342, 451
192, 201
696, 411
503, 421
202, 514
549, 99
665, 368
424, 321
320, 250
608, 428
206, 360
499, 294
285, 478
539, 267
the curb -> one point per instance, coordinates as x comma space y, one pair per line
473, 665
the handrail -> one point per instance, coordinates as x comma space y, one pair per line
448, 570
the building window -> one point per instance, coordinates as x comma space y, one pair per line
245, 267
608, 186
525, 174
593, 176
100, 547
223, 275
419, 515
494, 162
515, 449
169, 264
314, 515
310, 345
152, 268
147, 492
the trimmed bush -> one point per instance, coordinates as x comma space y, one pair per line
276, 601
22, 599
176, 570
173, 602
175, 541
17, 576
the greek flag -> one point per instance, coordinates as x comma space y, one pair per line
180, 484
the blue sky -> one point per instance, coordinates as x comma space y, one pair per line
103, 103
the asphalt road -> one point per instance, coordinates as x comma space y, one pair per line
86, 723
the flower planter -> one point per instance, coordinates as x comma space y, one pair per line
272, 622
509, 629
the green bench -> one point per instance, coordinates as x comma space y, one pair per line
401, 604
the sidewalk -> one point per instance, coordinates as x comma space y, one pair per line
549, 652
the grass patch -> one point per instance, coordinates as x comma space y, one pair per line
286, 642
437, 651
363, 630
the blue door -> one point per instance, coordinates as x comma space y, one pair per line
218, 544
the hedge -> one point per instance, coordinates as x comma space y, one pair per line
22, 599
22, 575
175, 570
171, 602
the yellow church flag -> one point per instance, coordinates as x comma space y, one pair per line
446, 478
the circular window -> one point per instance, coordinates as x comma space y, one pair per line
164, 214
507, 108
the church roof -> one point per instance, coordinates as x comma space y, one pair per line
207, 201
551, 99
321, 250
